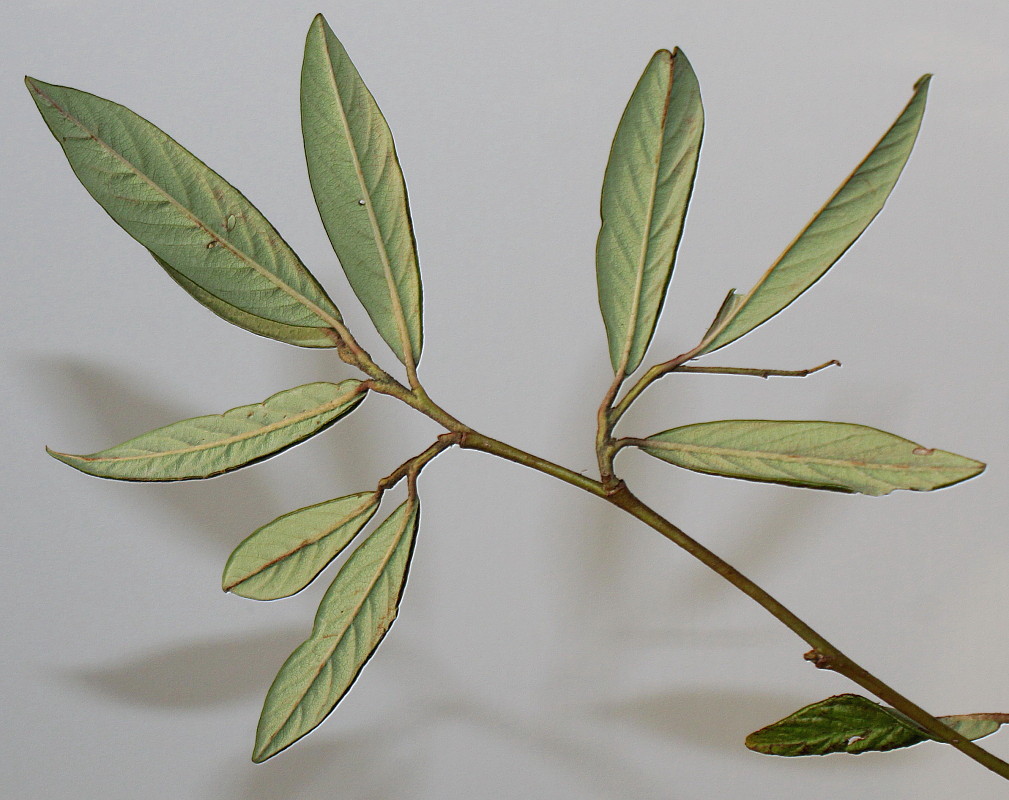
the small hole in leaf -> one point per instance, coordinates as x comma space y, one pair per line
360, 202
923, 451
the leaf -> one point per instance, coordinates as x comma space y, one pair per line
820, 455
186, 214
849, 723
301, 335
284, 556
646, 189
354, 616
832, 231
359, 189
202, 447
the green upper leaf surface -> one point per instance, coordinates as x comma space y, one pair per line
284, 556
849, 723
359, 189
205, 446
821, 455
301, 335
646, 189
181, 210
831, 232
353, 617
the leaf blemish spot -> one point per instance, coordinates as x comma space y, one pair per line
923, 451
360, 202
211, 244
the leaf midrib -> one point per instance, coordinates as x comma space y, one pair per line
651, 444
376, 231
283, 423
240, 254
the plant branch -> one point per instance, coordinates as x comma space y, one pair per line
604, 431
651, 375
413, 466
758, 373
824, 655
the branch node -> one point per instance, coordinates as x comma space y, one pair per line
820, 660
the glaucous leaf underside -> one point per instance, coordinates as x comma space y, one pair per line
187, 215
205, 446
284, 556
822, 455
359, 189
829, 234
646, 189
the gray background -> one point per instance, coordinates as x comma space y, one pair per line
547, 647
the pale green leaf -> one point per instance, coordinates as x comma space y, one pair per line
354, 616
849, 723
820, 455
831, 232
359, 189
205, 446
183, 212
284, 556
302, 335
646, 189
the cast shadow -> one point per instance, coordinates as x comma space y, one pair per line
193, 675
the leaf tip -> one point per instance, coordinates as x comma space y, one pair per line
64, 457
922, 83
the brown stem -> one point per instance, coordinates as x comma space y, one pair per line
758, 373
824, 654
827, 656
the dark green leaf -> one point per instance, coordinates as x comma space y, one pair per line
358, 186
821, 455
646, 189
205, 446
353, 618
849, 723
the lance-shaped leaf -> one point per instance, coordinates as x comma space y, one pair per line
646, 189
354, 616
205, 446
821, 455
849, 723
284, 556
359, 189
186, 214
830, 233
302, 335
